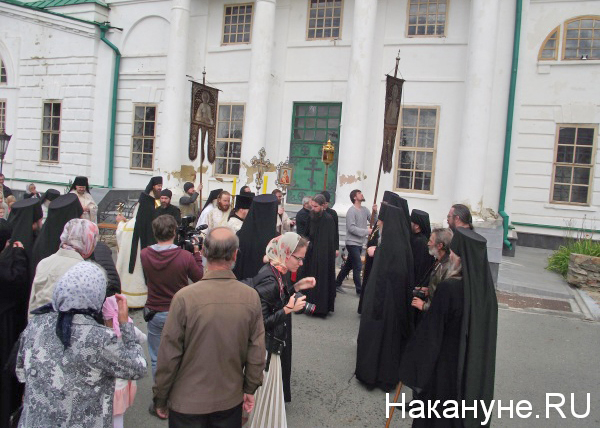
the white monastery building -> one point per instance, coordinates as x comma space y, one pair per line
500, 106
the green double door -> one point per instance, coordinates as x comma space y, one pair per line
312, 125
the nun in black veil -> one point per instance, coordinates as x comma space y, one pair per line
386, 323
14, 296
256, 232
60, 211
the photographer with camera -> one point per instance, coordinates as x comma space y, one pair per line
279, 299
167, 269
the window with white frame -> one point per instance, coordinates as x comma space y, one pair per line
237, 23
415, 165
230, 131
144, 136
51, 131
574, 164
427, 18
324, 19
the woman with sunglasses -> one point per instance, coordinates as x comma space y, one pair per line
284, 254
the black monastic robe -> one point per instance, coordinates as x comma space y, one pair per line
14, 299
320, 263
430, 362
371, 242
422, 259
170, 210
386, 322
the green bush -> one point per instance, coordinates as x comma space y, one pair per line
559, 260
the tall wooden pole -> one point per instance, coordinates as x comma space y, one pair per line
201, 142
373, 213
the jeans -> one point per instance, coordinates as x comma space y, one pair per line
352, 262
155, 328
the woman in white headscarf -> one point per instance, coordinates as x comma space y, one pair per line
285, 254
77, 243
69, 362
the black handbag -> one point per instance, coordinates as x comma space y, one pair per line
149, 314
275, 345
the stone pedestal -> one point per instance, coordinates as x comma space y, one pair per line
584, 271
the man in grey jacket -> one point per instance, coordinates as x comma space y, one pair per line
357, 230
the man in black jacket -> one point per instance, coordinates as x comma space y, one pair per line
303, 217
166, 207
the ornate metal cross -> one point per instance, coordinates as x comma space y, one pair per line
261, 165
312, 169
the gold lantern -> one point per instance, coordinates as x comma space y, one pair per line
327, 158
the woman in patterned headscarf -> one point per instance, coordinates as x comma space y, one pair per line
77, 243
64, 339
285, 254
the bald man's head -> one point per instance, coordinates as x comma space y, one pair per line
221, 245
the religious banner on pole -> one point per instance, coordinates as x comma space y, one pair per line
393, 95
203, 121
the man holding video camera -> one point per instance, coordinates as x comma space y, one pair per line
167, 269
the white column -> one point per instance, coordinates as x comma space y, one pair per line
353, 135
255, 126
174, 139
471, 161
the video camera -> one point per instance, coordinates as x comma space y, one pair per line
188, 235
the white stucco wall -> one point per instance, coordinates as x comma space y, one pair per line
50, 57
550, 93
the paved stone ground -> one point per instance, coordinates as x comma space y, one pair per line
537, 354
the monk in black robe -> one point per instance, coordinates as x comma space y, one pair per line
320, 258
142, 231
386, 320
452, 355
423, 261
154, 188
26, 221
373, 240
166, 207
14, 297
259, 227
60, 211
334, 215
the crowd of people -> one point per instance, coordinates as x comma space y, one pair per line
217, 285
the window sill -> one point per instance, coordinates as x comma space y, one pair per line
544, 67
50, 164
318, 43
230, 48
141, 171
570, 207
403, 193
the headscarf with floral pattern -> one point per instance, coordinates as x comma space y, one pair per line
280, 248
80, 235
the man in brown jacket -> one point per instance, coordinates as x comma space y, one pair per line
212, 351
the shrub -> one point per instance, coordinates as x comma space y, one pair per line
559, 260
